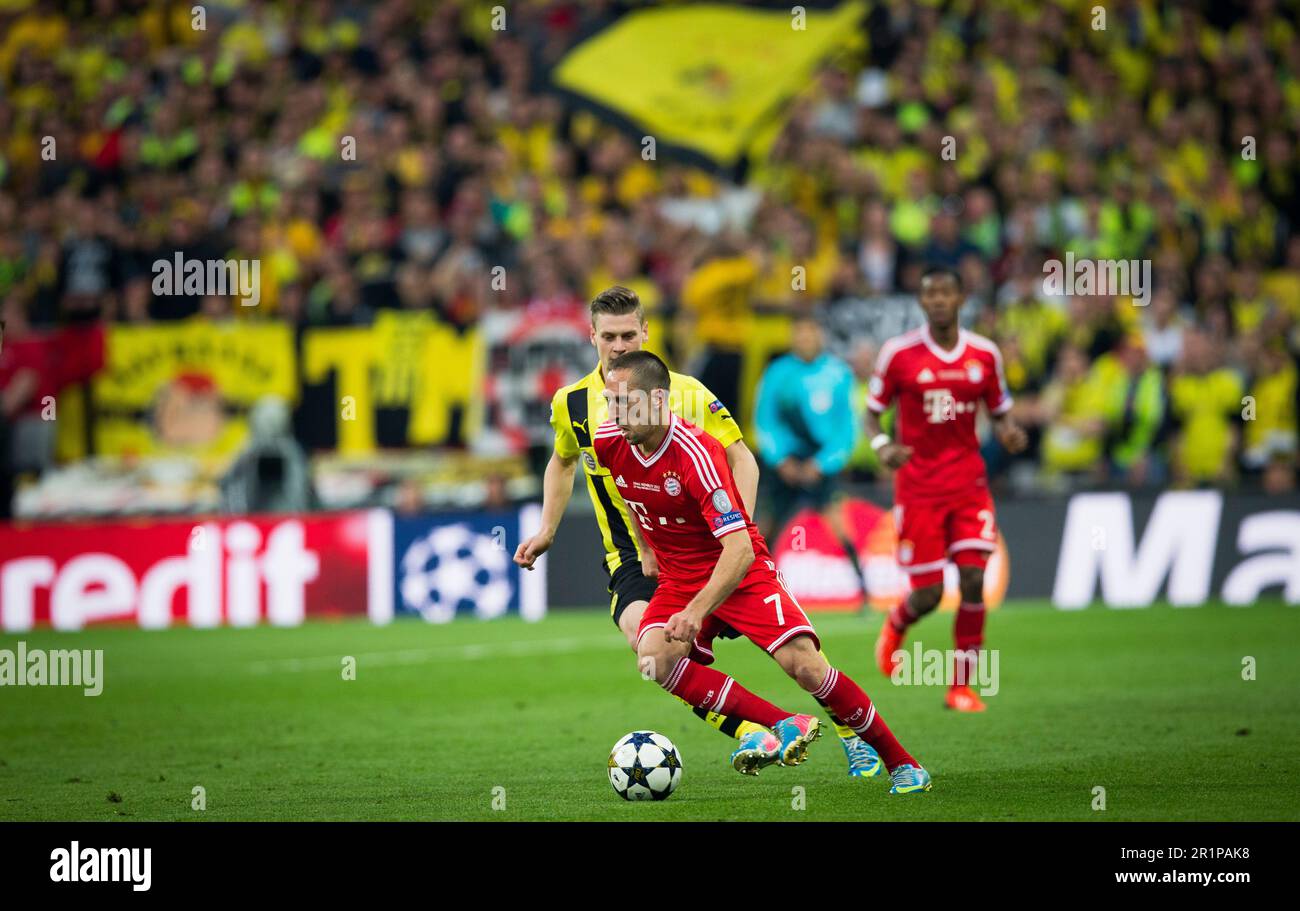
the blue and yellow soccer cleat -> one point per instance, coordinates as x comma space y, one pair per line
757, 749
864, 761
795, 733
908, 778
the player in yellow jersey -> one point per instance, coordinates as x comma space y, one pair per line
618, 326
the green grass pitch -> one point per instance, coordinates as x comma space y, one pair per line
1148, 704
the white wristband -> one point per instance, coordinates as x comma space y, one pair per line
880, 440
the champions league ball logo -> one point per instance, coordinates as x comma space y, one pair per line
453, 568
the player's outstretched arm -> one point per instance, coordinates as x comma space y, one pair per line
557, 488
744, 468
734, 561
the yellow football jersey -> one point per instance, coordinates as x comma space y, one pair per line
576, 412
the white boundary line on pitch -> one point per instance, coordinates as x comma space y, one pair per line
469, 652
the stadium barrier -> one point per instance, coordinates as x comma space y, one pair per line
1114, 548
280, 570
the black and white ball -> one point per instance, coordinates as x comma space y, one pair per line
644, 766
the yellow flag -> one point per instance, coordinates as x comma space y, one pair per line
705, 78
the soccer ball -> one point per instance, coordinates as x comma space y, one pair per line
644, 766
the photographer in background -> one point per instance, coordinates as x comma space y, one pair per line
271, 474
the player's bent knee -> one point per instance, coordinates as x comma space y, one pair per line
810, 675
926, 599
657, 657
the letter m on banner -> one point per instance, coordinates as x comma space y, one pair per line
1178, 544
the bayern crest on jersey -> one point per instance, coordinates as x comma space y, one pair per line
974, 371
672, 486
905, 551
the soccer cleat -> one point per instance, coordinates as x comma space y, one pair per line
757, 749
887, 643
963, 699
864, 761
795, 733
908, 778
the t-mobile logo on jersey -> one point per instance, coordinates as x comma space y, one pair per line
941, 405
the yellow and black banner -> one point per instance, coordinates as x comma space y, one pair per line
186, 388
710, 79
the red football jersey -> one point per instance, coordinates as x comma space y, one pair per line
684, 497
938, 395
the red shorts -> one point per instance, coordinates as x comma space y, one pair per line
761, 609
963, 529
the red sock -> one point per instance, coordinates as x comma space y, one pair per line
714, 691
847, 700
901, 617
968, 634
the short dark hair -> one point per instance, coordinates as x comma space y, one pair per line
648, 371
933, 270
616, 301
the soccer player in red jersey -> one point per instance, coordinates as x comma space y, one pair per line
942, 508
715, 568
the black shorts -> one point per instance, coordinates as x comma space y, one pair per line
626, 586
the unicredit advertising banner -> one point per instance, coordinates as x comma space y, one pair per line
277, 570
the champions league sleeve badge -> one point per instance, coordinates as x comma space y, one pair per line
721, 502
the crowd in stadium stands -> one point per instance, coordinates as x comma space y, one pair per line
1170, 136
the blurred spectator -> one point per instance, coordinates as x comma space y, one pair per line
1071, 408
1037, 327
1206, 404
717, 299
1269, 429
1134, 410
1162, 328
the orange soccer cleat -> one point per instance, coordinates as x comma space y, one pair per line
963, 699
888, 642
